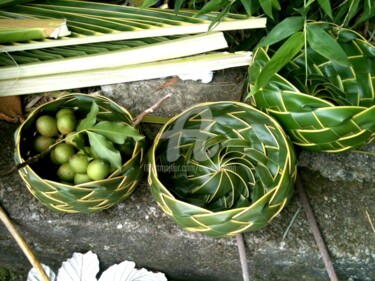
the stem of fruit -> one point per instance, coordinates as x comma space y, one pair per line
23, 245
243, 259
152, 109
31, 160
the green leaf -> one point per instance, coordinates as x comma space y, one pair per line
353, 9
148, 3
220, 17
247, 5
326, 6
5, 3
116, 132
368, 12
276, 5
212, 6
90, 119
284, 54
321, 42
105, 149
178, 5
267, 7
282, 30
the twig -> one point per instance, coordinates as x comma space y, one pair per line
291, 223
243, 259
369, 219
142, 115
316, 232
23, 245
30, 160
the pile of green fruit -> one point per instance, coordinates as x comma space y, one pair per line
78, 166
83, 150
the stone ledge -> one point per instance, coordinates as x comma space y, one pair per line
138, 230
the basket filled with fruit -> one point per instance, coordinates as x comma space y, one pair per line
80, 153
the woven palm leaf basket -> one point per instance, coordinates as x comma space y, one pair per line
92, 195
322, 105
222, 168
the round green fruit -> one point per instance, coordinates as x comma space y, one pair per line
42, 143
53, 158
66, 173
63, 152
64, 111
81, 178
79, 163
66, 123
98, 169
47, 126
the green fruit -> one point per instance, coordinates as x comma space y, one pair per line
79, 163
42, 143
81, 178
98, 169
66, 173
47, 126
66, 123
53, 158
64, 111
62, 152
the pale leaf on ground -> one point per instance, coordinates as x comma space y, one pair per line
80, 267
34, 275
126, 271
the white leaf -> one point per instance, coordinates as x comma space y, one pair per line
34, 275
126, 271
80, 267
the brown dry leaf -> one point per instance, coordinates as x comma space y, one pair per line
11, 109
167, 83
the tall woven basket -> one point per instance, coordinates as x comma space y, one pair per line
222, 168
89, 197
332, 108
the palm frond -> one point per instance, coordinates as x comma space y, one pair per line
98, 22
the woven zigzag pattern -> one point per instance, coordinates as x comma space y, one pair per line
336, 111
87, 197
222, 168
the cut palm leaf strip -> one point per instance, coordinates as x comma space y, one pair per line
130, 54
13, 30
97, 22
200, 63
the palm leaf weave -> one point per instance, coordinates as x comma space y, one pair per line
87, 197
222, 168
336, 110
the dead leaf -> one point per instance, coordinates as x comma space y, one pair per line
11, 109
167, 83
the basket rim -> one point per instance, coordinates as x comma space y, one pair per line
153, 174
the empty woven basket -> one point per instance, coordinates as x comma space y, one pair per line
222, 168
87, 197
332, 108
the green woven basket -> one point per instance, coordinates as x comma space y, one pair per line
87, 197
222, 168
336, 111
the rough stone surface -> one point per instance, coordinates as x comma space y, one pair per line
340, 188
358, 165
